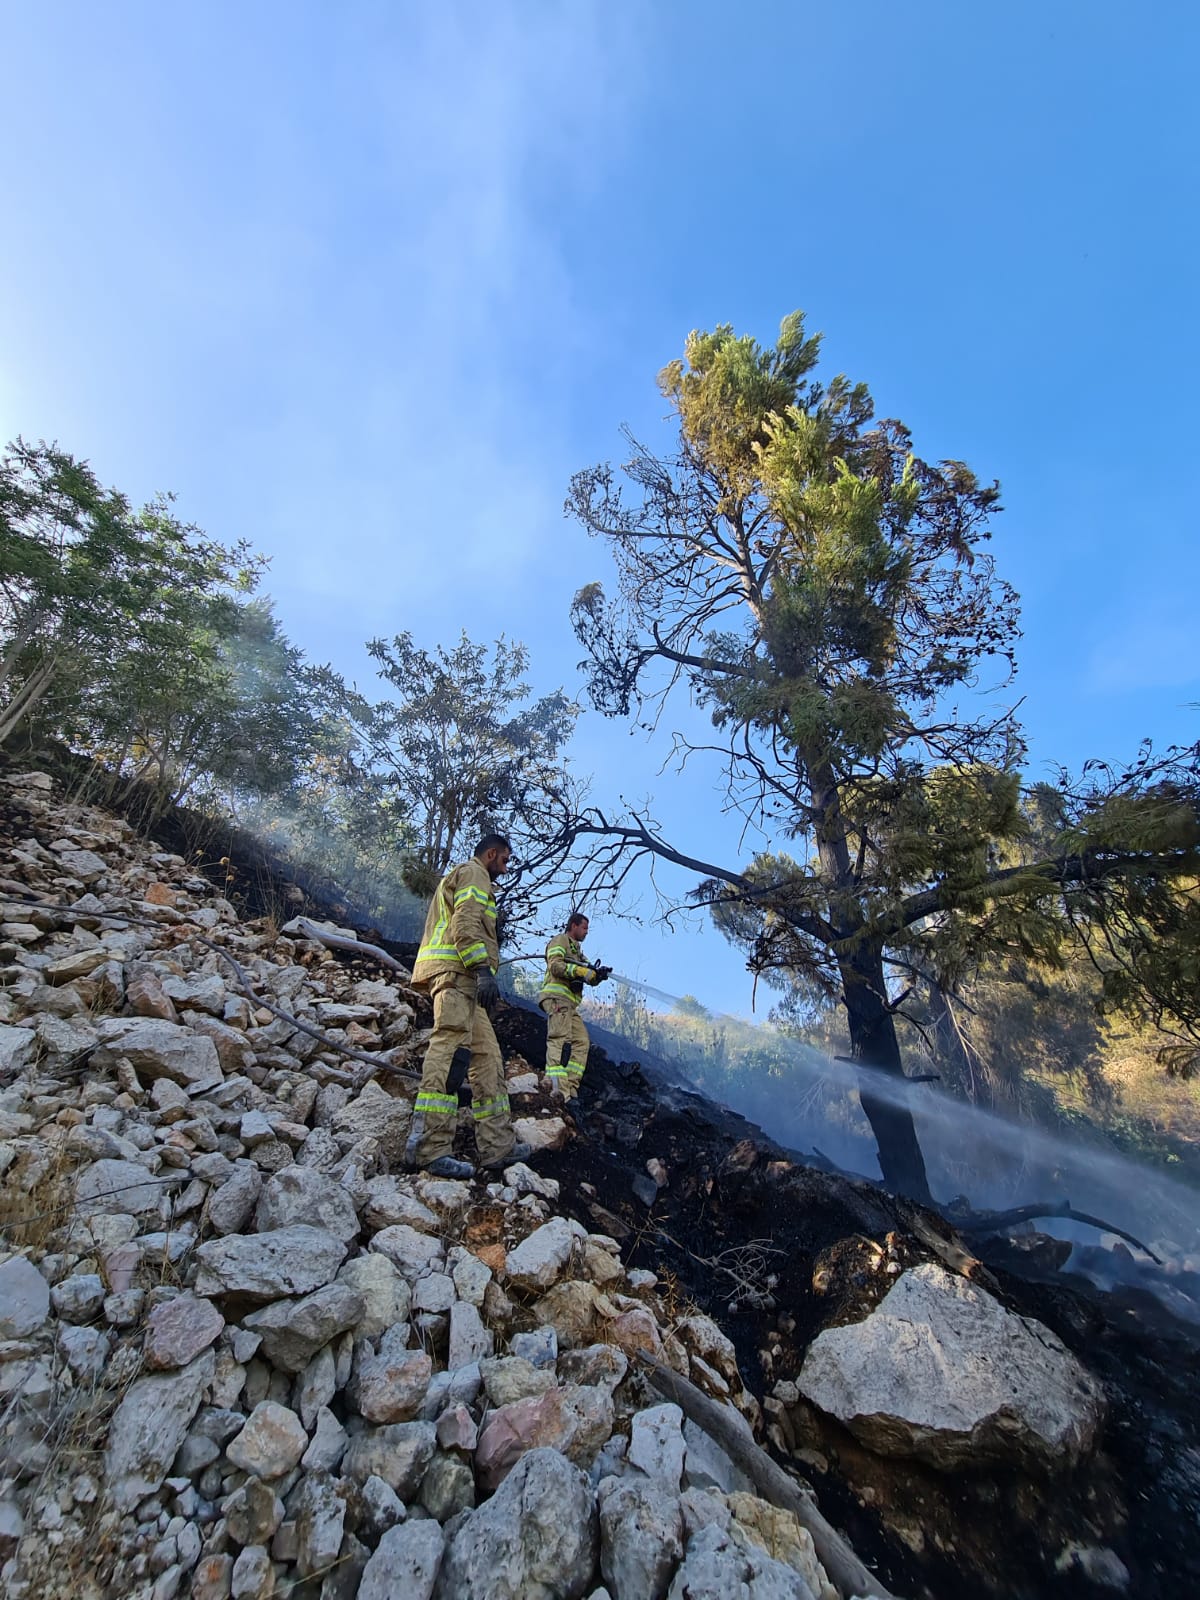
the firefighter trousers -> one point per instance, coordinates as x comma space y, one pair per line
458, 1022
564, 1026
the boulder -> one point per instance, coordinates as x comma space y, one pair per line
301, 1195
412, 1252
116, 1187
292, 1331
942, 1372
385, 1293
269, 1266
158, 1049
149, 1426
535, 1539
656, 1445
721, 1566
641, 1538
398, 1453
405, 1563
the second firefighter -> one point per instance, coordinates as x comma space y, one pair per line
567, 970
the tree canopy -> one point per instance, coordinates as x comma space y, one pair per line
829, 597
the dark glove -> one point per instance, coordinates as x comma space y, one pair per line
601, 974
487, 991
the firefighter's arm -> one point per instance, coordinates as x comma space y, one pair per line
470, 921
557, 963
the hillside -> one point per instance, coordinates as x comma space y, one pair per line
245, 1354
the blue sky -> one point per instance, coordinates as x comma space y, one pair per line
365, 284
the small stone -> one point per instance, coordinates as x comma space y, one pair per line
392, 1385
411, 1252
231, 1205
116, 1186
123, 1309
540, 1260
301, 1195
508, 1379
253, 1577
656, 1445
213, 1578
471, 1278
328, 1445
457, 1429
594, 1364
382, 1507
539, 1347
271, 1443
575, 1421
292, 1331
252, 1513
386, 1296
641, 1539
447, 1488
178, 1330
469, 1339
24, 1298
320, 1515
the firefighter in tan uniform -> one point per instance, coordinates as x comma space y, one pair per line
457, 964
567, 970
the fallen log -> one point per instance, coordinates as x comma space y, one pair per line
998, 1221
730, 1430
339, 941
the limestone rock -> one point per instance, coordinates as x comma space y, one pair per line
539, 1261
656, 1445
178, 1330
412, 1252
594, 1363
328, 1445
720, 1566
385, 1293
158, 1049
469, 1339
707, 1466
535, 1539
391, 1386
230, 1206
16, 1048
389, 1202
252, 1512
540, 1133
573, 1309
508, 1379
24, 1298
780, 1535
641, 1538
148, 1427
292, 1331
300, 1195
941, 1371
398, 1453
268, 1266
320, 1516
447, 1488
574, 1420
406, 1563
271, 1443
108, 1187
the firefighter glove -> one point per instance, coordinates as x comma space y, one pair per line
487, 990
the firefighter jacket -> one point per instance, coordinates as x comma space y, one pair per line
567, 970
460, 926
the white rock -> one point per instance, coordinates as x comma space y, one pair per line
941, 1371
720, 1566
268, 1266
116, 1186
539, 1261
471, 1278
656, 1445
16, 1047
707, 1466
406, 1563
535, 1539
160, 1049
300, 1195
641, 1537
469, 1339
526, 1181
410, 1251
389, 1202
149, 1426
24, 1298
271, 1443
386, 1295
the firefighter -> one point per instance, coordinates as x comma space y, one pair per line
567, 970
457, 964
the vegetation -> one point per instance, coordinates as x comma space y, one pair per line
827, 596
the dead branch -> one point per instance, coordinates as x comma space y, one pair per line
998, 1221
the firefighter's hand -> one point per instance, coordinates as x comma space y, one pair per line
487, 991
601, 974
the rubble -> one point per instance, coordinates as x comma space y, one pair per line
285, 1365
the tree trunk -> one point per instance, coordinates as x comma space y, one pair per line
873, 1042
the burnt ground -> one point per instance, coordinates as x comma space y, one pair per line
735, 1209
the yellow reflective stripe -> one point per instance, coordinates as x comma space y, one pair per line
472, 893
574, 1069
492, 1107
558, 988
443, 1105
556, 950
472, 955
556, 1072
438, 952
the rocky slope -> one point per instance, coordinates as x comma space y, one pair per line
242, 1354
